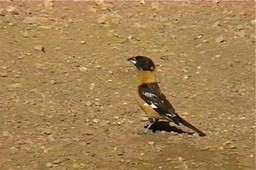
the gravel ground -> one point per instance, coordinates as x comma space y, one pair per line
67, 91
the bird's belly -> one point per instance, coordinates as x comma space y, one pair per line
150, 111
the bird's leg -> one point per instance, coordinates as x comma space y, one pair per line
151, 122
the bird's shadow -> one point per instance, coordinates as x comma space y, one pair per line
166, 127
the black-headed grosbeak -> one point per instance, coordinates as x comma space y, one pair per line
156, 105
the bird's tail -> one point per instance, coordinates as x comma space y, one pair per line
187, 124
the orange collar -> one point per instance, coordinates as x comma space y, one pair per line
146, 77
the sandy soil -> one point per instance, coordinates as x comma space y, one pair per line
67, 91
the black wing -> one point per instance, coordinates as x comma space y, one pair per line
153, 96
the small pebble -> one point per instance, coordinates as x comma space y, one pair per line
102, 19
15, 85
181, 159
3, 74
20, 57
57, 48
52, 82
168, 159
46, 131
220, 39
39, 48
88, 103
83, 69
186, 77
232, 147
227, 143
185, 113
253, 21
92, 86
242, 118
151, 142
57, 161
25, 34
6, 134
144, 118
130, 37
48, 4
155, 6
30, 20
120, 122
3, 12
13, 150
216, 24
48, 165
82, 42
45, 27
12, 10
98, 66
199, 45
217, 56
95, 120
99, 2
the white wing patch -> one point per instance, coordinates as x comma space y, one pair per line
170, 115
148, 94
153, 106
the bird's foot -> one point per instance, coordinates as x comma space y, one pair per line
148, 130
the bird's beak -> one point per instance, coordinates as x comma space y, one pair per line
132, 60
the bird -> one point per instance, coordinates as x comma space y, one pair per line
155, 104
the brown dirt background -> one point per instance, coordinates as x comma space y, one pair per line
72, 106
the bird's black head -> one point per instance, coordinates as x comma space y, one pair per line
142, 63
